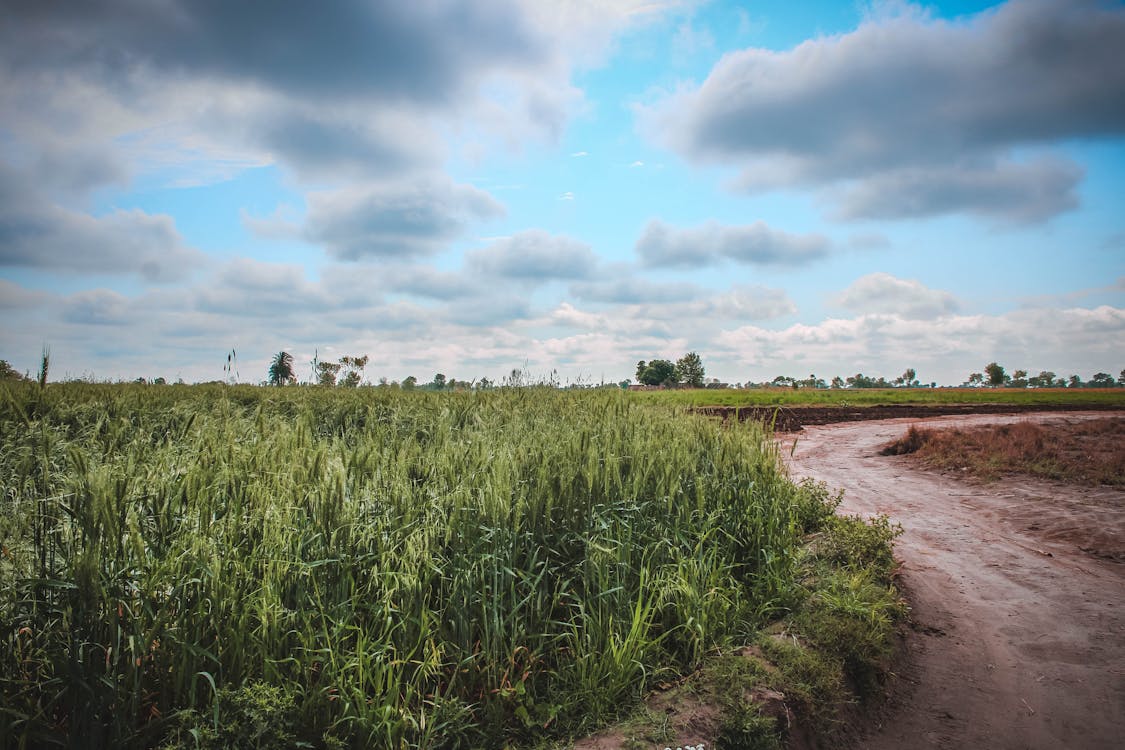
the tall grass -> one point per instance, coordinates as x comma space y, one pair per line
402, 570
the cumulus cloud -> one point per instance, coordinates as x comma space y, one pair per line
662, 245
97, 307
1025, 193
904, 98
884, 293
37, 234
945, 350
633, 291
535, 255
353, 90
401, 220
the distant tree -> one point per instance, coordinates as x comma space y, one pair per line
1121, 378
438, 383
353, 367
689, 370
975, 378
838, 382
907, 379
159, 381
1045, 379
409, 382
995, 374
859, 380
1019, 379
326, 373
812, 381
281, 369
657, 372
1074, 382
1101, 380
7, 372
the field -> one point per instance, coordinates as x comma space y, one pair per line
213, 566
1039, 397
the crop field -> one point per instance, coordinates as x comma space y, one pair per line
195, 566
731, 397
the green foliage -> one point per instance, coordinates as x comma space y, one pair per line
859, 544
281, 369
689, 370
326, 373
747, 729
387, 569
254, 716
7, 372
656, 372
995, 374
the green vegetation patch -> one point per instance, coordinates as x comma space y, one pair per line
183, 566
732, 397
802, 675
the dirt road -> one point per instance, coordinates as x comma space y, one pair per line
1017, 591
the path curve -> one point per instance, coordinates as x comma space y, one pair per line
1018, 632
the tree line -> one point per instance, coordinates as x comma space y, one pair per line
687, 371
995, 376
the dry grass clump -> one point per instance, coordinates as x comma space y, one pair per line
1085, 452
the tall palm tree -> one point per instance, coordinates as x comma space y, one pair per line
281, 369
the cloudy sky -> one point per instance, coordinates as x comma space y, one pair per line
469, 187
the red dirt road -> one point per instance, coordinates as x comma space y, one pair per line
1017, 591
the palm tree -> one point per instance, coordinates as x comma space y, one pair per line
281, 369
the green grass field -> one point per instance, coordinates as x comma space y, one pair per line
212, 566
876, 396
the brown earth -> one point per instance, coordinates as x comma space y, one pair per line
1017, 635
792, 418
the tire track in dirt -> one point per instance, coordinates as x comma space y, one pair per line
1018, 633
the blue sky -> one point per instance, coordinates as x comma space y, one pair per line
467, 188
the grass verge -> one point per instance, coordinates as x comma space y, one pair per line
800, 679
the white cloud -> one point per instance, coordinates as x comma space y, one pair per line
944, 350
50, 238
400, 220
922, 113
883, 293
661, 245
536, 256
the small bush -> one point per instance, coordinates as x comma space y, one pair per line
747, 729
255, 716
852, 542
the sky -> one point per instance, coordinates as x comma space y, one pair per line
562, 187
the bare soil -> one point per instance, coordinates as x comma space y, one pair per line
794, 418
1017, 590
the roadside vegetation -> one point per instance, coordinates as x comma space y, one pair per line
1086, 452
235, 566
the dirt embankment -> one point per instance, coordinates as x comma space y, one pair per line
1016, 588
793, 418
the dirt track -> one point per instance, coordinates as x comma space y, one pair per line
1017, 591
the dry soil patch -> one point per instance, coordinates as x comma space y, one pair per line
1016, 590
